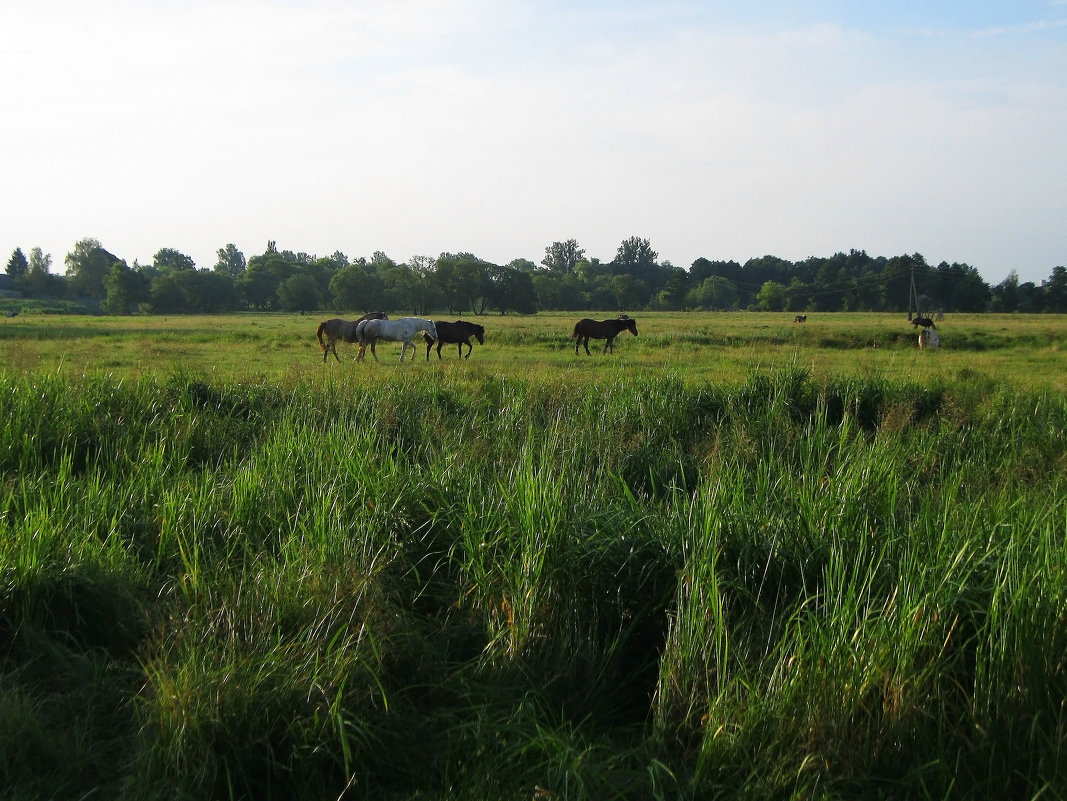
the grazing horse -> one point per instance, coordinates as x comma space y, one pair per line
925, 322
800, 318
928, 338
343, 330
585, 329
459, 332
402, 330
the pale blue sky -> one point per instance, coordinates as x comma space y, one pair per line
719, 129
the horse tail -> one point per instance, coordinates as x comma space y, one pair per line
318, 333
429, 339
576, 327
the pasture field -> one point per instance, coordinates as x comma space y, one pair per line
737, 558
1029, 351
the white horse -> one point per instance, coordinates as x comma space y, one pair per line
928, 338
402, 330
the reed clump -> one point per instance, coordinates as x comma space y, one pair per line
482, 587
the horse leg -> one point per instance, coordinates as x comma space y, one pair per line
440, 342
374, 352
470, 347
609, 344
585, 344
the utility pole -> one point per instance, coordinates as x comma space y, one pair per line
913, 296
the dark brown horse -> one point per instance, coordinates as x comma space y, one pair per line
459, 333
586, 329
343, 330
925, 322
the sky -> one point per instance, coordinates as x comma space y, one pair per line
715, 129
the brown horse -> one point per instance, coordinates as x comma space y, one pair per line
586, 329
459, 333
343, 330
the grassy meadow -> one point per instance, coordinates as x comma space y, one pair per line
737, 558
1026, 351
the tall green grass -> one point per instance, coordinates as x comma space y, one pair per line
456, 584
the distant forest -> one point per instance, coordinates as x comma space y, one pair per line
97, 280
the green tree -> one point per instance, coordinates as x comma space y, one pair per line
797, 295
672, 296
380, 261
636, 258
562, 257
87, 267
512, 289
635, 251
402, 288
230, 261
353, 287
167, 259
1006, 294
40, 262
1055, 291
321, 270
300, 292
192, 292
626, 291
771, 297
39, 282
559, 291
589, 271
522, 265
463, 281
18, 265
961, 287
713, 293
257, 286
126, 289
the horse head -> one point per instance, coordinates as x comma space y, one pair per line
631, 325
479, 332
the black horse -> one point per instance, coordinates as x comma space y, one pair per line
586, 329
343, 330
459, 332
925, 322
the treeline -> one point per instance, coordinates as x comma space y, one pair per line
566, 279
